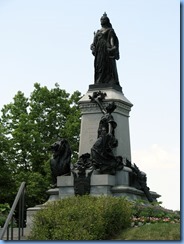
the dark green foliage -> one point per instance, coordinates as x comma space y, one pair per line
82, 218
4, 211
28, 126
154, 210
6, 177
36, 187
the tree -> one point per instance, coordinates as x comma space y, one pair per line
30, 125
6, 177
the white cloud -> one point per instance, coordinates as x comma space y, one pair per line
157, 157
162, 166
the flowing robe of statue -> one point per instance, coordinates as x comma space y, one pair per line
102, 154
105, 48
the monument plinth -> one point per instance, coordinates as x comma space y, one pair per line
91, 116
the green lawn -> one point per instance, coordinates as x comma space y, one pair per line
156, 231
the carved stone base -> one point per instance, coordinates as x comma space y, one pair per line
66, 186
105, 86
53, 194
100, 185
131, 193
103, 184
122, 177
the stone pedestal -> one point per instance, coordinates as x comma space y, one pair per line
122, 176
91, 115
101, 184
104, 184
53, 195
131, 193
66, 186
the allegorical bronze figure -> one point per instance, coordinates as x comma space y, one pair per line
105, 48
102, 155
61, 159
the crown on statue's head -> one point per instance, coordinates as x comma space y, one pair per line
104, 15
105, 20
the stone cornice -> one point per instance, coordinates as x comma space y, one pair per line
91, 107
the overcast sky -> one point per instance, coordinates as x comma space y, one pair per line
48, 41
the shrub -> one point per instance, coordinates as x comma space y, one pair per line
4, 211
153, 213
82, 218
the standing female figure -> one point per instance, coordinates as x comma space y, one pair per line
105, 48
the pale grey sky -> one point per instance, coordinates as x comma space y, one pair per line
47, 41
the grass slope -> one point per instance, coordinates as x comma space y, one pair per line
157, 231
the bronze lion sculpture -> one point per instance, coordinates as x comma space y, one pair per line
61, 159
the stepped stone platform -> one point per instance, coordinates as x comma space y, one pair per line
104, 184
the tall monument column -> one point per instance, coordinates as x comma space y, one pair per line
91, 115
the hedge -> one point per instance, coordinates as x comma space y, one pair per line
82, 218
